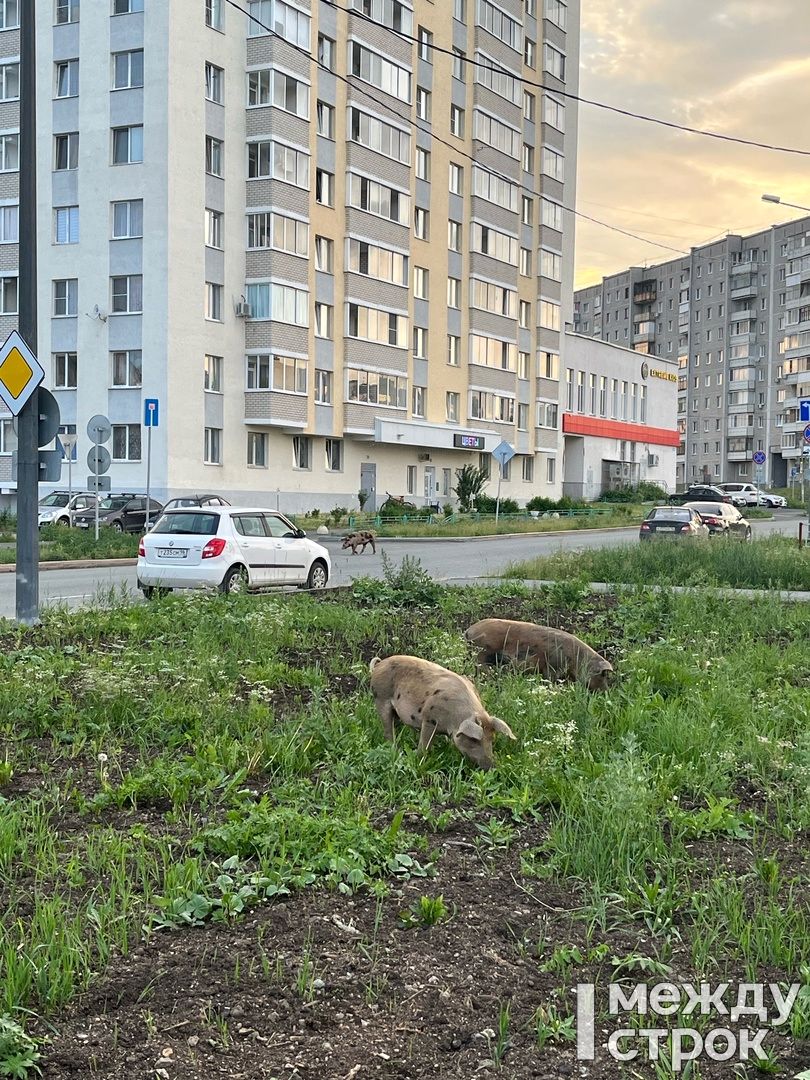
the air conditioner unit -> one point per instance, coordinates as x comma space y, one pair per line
615, 472
243, 310
423, 457
626, 471
652, 461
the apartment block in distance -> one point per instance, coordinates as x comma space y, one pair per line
328, 238
735, 315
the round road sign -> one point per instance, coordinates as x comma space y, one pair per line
759, 458
98, 428
807, 433
98, 460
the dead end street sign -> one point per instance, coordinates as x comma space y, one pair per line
20, 373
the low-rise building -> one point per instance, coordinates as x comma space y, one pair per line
619, 418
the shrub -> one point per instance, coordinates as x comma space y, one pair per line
645, 492
544, 505
396, 508
485, 504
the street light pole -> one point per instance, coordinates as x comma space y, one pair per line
778, 199
27, 596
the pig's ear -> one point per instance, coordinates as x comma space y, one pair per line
502, 727
471, 730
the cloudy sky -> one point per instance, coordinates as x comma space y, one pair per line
739, 67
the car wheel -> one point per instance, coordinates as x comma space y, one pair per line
117, 526
318, 576
154, 592
62, 521
235, 581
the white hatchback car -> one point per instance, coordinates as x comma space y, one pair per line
230, 548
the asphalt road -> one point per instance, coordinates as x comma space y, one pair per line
446, 560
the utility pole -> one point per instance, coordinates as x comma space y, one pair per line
28, 420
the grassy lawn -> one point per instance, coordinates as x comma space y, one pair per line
58, 543
207, 847
776, 562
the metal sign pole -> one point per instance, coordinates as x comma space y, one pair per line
148, 473
95, 480
70, 485
498, 495
27, 592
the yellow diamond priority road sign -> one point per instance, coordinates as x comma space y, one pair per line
20, 373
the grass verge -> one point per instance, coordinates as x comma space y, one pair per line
203, 833
772, 563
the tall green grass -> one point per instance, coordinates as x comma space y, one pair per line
772, 563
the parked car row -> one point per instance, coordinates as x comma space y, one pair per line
125, 512
735, 494
697, 520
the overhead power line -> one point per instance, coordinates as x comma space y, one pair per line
673, 125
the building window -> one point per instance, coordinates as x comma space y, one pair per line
549, 315
64, 371
420, 343
9, 14
9, 224
213, 301
67, 11
126, 7
326, 119
257, 449
381, 137
213, 228
128, 145
547, 414
418, 401
456, 179
553, 113
326, 52
66, 225
9, 153
553, 164
282, 303
422, 164
420, 282
454, 235
212, 374
269, 160
324, 254
454, 292
527, 209
529, 53
423, 105
267, 230
65, 296
324, 187
525, 262
324, 321
214, 156
302, 452
272, 87
529, 106
459, 60
214, 14
556, 11
127, 294
453, 350
554, 62
127, 368
281, 19
290, 374
214, 83
380, 72
421, 223
212, 453
379, 199
127, 69
523, 364
452, 403
425, 39
525, 314
334, 455
66, 151
550, 265
528, 158
66, 79
528, 466
323, 387
126, 442
377, 262
551, 470
410, 479
127, 219
374, 324
457, 121
257, 372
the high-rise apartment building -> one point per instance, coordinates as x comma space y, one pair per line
736, 315
328, 237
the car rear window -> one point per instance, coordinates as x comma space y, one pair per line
188, 524
708, 508
674, 513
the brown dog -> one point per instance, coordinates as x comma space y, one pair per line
359, 540
552, 653
430, 698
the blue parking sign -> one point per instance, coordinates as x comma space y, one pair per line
151, 412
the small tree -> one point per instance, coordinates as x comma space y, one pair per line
470, 482
363, 497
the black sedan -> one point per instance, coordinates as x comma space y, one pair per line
125, 513
723, 520
701, 493
679, 522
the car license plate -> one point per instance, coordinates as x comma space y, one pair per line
666, 528
82, 524
172, 553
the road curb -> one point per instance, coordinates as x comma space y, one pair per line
489, 536
72, 564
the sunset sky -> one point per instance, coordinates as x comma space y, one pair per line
740, 67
